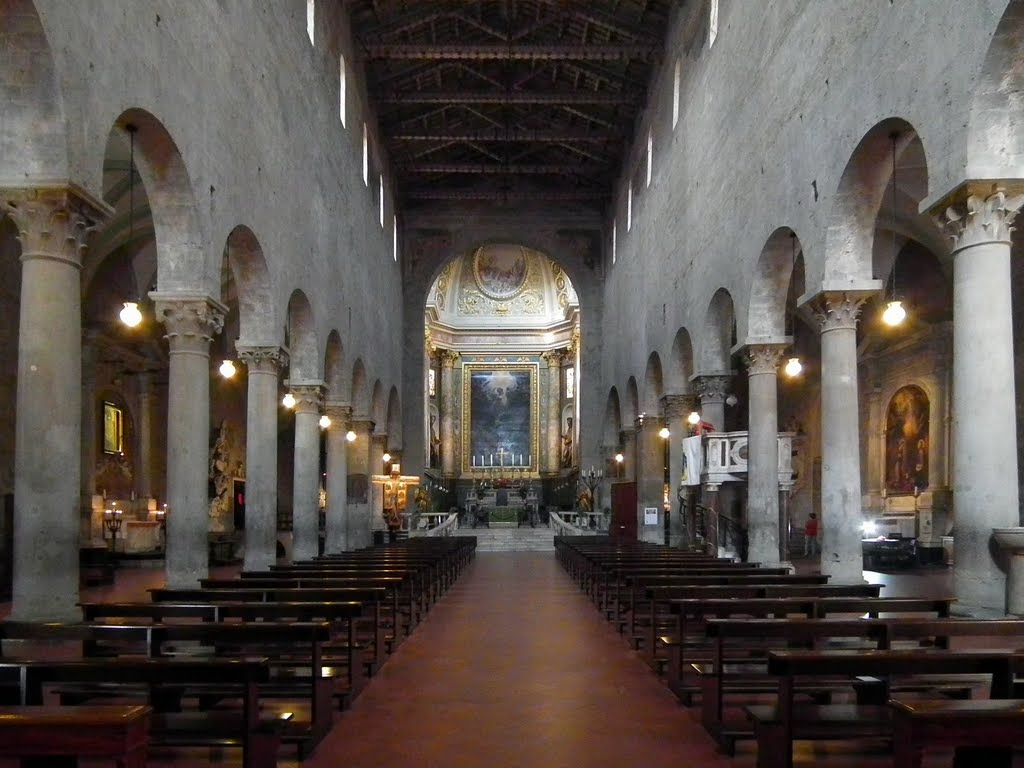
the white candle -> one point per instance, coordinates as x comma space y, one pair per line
531, 460
492, 460
474, 461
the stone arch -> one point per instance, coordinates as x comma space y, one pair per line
612, 419
183, 259
766, 317
680, 367
360, 391
378, 405
394, 420
258, 322
717, 338
849, 239
632, 409
995, 144
334, 369
303, 349
654, 385
33, 142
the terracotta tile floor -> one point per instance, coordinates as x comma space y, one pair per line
514, 667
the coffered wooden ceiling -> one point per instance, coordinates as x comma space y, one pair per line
508, 99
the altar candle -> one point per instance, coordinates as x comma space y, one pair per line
474, 460
492, 460
531, 460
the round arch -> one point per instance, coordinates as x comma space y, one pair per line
303, 348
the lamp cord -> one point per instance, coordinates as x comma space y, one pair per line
131, 204
893, 223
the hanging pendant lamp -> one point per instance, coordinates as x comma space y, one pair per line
894, 313
130, 314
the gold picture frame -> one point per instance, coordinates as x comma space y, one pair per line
500, 417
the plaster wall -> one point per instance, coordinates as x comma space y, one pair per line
252, 108
769, 118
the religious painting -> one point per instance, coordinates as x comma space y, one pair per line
906, 441
500, 409
500, 271
113, 429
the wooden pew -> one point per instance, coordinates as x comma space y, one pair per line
257, 738
55, 737
776, 726
983, 732
688, 644
294, 653
372, 597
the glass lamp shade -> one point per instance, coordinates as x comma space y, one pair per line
288, 401
325, 421
664, 433
130, 314
350, 436
793, 367
693, 418
227, 369
894, 313
387, 458
619, 458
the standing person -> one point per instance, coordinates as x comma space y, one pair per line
811, 547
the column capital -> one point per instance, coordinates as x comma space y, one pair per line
361, 426
678, 406
338, 413
833, 310
448, 357
262, 359
711, 387
191, 320
978, 212
307, 397
763, 359
553, 357
53, 223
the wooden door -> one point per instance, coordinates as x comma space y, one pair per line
623, 511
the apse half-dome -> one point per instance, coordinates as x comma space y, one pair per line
505, 286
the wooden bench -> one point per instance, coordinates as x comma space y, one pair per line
689, 643
244, 728
372, 597
983, 732
55, 737
294, 652
776, 726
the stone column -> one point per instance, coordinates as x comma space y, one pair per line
650, 473
191, 322
876, 446
306, 486
841, 514
554, 411
629, 469
763, 453
712, 388
676, 408
985, 492
263, 365
144, 479
359, 523
378, 445
336, 535
53, 226
449, 406
90, 439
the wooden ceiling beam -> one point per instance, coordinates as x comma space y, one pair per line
485, 52
487, 169
434, 193
507, 97
512, 135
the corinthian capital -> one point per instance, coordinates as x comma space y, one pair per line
448, 357
553, 357
712, 388
338, 413
191, 320
978, 218
307, 397
262, 359
53, 222
763, 358
833, 310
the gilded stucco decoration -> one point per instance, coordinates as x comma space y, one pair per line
507, 280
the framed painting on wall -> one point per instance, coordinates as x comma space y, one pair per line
500, 416
906, 441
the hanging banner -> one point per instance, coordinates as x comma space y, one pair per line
693, 461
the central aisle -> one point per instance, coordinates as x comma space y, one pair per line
515, 667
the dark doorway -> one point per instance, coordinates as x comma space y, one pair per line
238, 504
623, 511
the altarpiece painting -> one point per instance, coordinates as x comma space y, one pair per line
906, 441
499, 415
